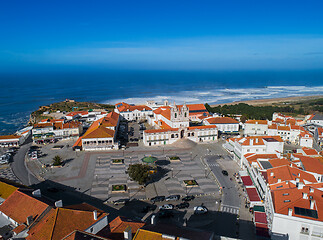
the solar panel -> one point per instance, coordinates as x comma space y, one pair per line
306, 212
265, 164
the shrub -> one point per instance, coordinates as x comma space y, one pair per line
57, 161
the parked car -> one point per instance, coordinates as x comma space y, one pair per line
182, 205
172, 198
167, 206
148, 208
157, 199
4, 159
225, 172
188, 198
121, 201
200, 210
165, 214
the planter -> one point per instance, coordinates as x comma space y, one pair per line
119, 188
117, 161
190, 183
174, 158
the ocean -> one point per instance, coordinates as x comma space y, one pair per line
23, 93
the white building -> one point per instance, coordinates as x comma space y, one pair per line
256, 128
133, 112
318, 135
316, 119
256, 144
287, 133
101, 135
306, 139
224, 124
170, 135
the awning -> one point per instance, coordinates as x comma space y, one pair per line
262, 230
253, 194
261, 217
246, 180
257, 208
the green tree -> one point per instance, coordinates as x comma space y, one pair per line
139, 173
57, 160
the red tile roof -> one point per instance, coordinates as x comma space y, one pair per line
60, 222
161, 130
309, 151
202, 127
221, 120
18, 206
5, 137
253, 194
285, 199
263, 122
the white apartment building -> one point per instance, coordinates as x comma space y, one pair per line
316, 119
306, 139
256, 127
318, 136
287, 133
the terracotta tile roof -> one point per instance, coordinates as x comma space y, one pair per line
72, 114
320, 131
311, 164
6, 190
18, 206
287, 173
43, 125
147, 235
221, 120
125, 107
162, 124
116, 228
256, 140
203, 127
100, 132
264, 122
111, 120
291, 121
51, 120
161, 130
283, 128
60, 222
19, 229
277, 162
283, 199
152, 232
81, 235
4, 137
296, 127
164, 111
309, 151
78, 142
195, 109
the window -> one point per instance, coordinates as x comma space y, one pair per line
175, 115
304, 230
285, 194
286, 200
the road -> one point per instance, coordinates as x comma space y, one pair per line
19, 168
231, 198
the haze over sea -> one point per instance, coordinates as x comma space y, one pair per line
23, 93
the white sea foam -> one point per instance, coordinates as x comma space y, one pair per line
223, 95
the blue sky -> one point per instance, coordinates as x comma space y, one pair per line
163, 35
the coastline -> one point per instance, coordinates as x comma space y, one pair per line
270, 101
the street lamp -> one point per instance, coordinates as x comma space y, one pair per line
205, 172
172, 172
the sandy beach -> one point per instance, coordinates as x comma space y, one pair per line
263, 102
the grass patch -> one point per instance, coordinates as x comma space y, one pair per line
190, 183
119, 188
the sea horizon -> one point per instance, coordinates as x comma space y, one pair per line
23, 93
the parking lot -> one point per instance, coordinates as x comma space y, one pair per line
6, 156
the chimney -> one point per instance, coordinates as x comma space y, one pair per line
29, 220
312, 202
304, 195
153, 219
127, 234
279, 180
95, 215
36, 193
311, 190
290, 212
271, 174
257, 140
300, 185
59, 203
251, 142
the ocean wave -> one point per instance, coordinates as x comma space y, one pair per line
226, 95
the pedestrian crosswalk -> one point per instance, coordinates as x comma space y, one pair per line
214, 165
230, 209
